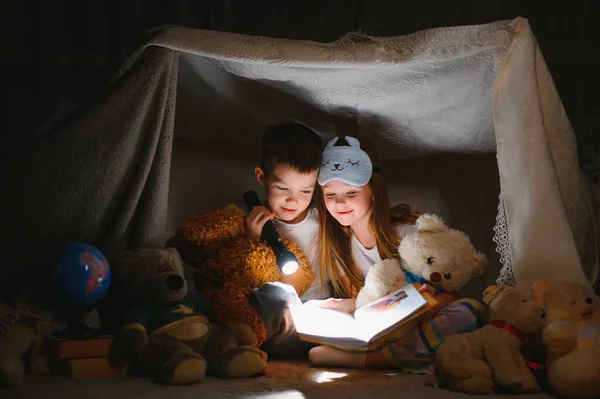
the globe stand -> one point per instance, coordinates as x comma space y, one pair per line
78, 328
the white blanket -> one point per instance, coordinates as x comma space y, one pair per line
472, 89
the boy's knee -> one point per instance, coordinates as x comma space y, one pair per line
276, 293
271, 302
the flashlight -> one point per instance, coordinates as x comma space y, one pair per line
286, 260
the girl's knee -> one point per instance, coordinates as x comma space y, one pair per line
459, 317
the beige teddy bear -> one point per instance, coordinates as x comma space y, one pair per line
433, 254
475, 362
572, 337
166, 335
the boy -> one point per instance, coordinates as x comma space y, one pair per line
290, 163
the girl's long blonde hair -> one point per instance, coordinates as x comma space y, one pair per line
335, 249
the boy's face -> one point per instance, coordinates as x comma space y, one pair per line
288, 191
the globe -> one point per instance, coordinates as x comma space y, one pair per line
81, 276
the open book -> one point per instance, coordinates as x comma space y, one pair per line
370, 323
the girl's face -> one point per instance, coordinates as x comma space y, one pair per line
349, 205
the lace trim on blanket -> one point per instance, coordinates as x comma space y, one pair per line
501, 238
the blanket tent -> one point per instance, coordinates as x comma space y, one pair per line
469, 119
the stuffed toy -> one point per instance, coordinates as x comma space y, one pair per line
478, 361
22, 328
228, 267
572, 337
434, 254
166, 334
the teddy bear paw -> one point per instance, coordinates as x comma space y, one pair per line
239, 362
189, 371
475, 386
529, 385
11, 373
245, 365
244, 334
513, 380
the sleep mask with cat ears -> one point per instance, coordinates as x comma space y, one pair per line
347, 163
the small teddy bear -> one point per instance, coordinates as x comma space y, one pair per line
572, 337
228, 267
166, 334
22, 329
433, 254
476, 362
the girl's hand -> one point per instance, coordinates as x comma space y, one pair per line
341, 305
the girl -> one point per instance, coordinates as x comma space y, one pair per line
357, 230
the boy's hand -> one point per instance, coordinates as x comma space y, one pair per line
255, 221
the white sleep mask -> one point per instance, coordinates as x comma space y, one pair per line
348, 164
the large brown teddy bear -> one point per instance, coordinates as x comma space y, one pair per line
572, 337
476, 362
166, 335
228, 267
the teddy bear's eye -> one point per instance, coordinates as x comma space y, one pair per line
448, 276
430, 260
524, 300
325, 164
589, 300
165, 269
353, 163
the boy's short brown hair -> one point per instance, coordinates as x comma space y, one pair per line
293, 144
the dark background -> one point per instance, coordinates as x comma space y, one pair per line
58, 54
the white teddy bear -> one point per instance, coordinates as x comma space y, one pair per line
434, 254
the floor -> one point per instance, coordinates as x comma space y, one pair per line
286, 380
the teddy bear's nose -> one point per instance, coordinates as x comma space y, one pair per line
435, 277
174, 282
543, 315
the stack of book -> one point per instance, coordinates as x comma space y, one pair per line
80, 358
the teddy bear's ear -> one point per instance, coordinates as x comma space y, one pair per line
121, 263
491, 293
173, 252
429, 222
234, 207
540, 287
481, 262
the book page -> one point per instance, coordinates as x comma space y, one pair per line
318, 322
385, 312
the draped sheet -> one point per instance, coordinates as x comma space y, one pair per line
104, 174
